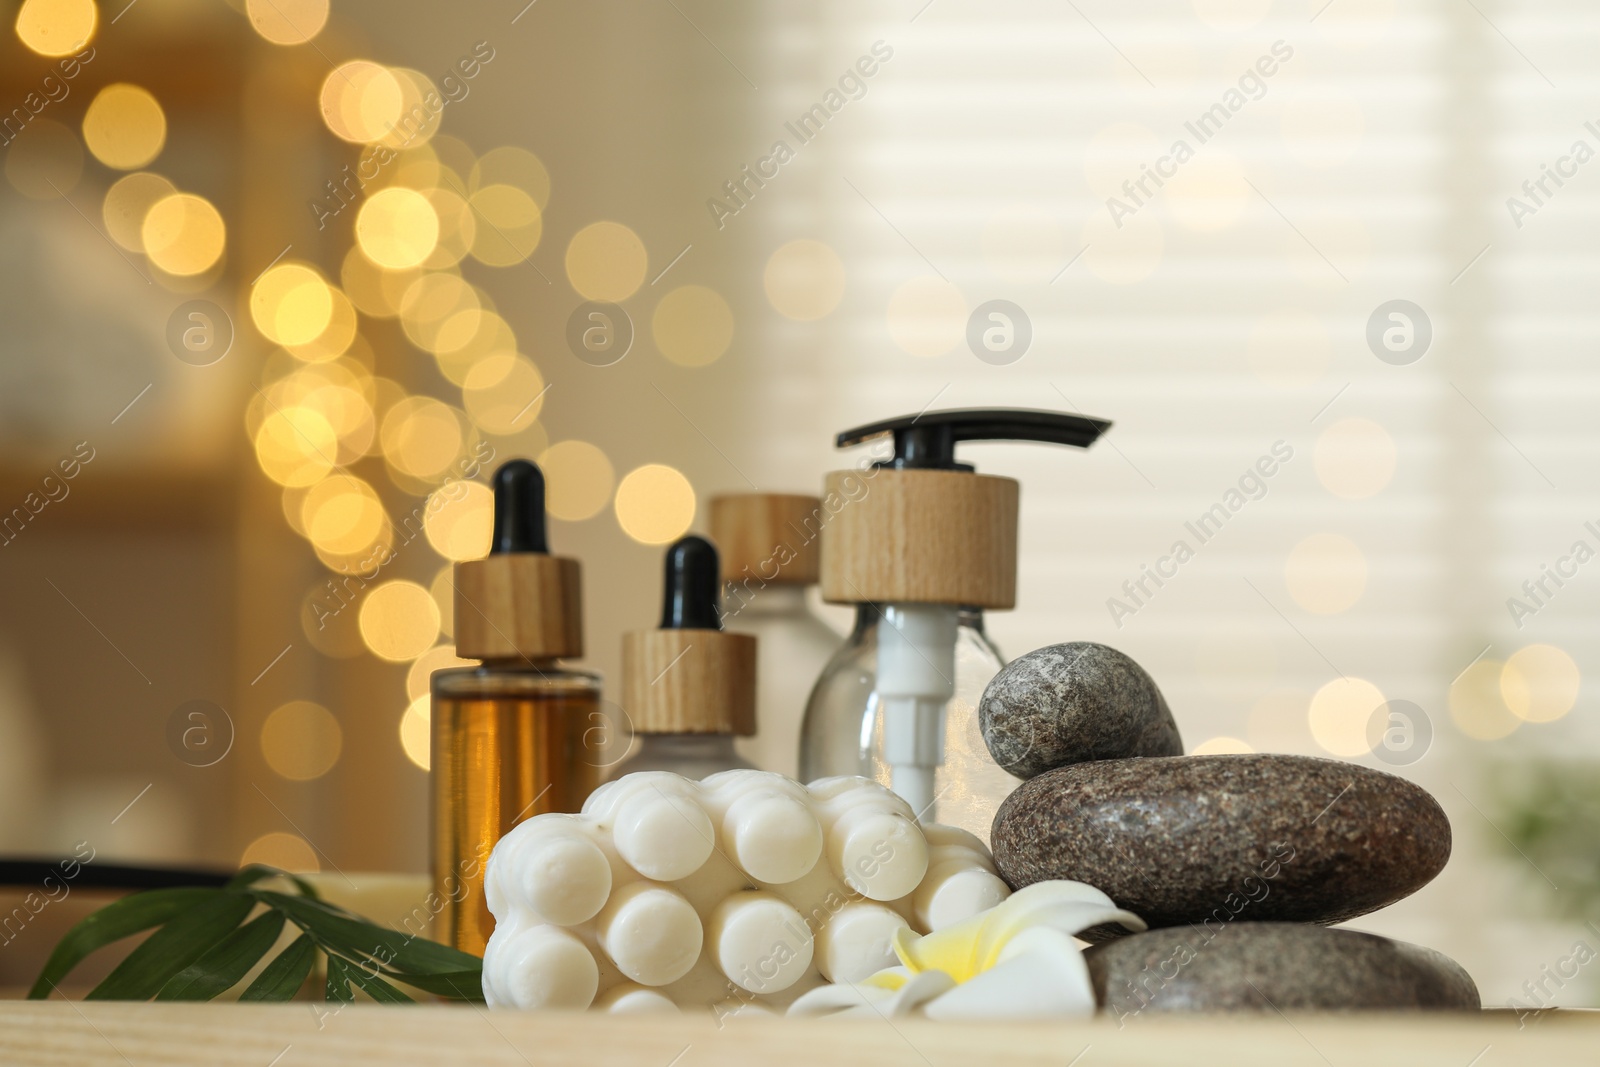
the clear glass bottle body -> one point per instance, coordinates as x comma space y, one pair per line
510, 740
843, 729
691, 755
792, 647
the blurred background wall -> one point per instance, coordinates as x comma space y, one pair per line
189, 673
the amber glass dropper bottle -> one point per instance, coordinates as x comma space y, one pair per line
508, 736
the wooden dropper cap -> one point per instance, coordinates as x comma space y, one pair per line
518, 601
921, 528
768, 538
689, 677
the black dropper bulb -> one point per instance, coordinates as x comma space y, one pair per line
519, 509
693, 582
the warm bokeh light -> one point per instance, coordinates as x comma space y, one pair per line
1218, 746
417, 122
45, 162
124, 127
577, 480
287, 22
421, 436
183, 234
1539, 683
287, 852
431, 302
443, 591
361, 101
927, 316
291, 304
467, 338
369, 286
397, 228
655, 504
1326, 573
508, 225
301, 741
517, 167
437, 658
1209, 193
503, 392
1340, 712
336, 338
458, 519
692, 325
57, 27
458, 227
804, 280
1477, 706
295, 446
127, 202
342, 515
606, 262
1355, 458
399, 621
416, 732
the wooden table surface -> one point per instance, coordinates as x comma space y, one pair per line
302, 1034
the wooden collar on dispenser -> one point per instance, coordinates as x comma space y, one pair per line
921, 528
921, 537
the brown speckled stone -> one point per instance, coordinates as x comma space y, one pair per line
1252, 838
1248, 966
1072, 703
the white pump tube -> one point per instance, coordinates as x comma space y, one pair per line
916, 679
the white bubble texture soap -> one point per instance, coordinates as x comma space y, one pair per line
744, 890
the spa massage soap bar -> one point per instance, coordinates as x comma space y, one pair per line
744, 890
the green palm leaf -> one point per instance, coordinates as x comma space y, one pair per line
221, 968
282, 978
182, 941
124, 918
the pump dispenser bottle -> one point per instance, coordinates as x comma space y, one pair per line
688, 688
922, 552
508, 736
769, 544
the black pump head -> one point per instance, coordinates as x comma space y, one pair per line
692, 585
519, 524
927, 441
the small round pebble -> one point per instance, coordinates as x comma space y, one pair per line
1072, 703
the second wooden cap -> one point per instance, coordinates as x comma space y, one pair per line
689, 682
768, 537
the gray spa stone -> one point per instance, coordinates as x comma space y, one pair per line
1253, 966
1253, 838
1072, 703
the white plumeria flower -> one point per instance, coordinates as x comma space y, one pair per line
1017, 960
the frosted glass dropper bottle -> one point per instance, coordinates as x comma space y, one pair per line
922, 545
768, 543
688, 688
